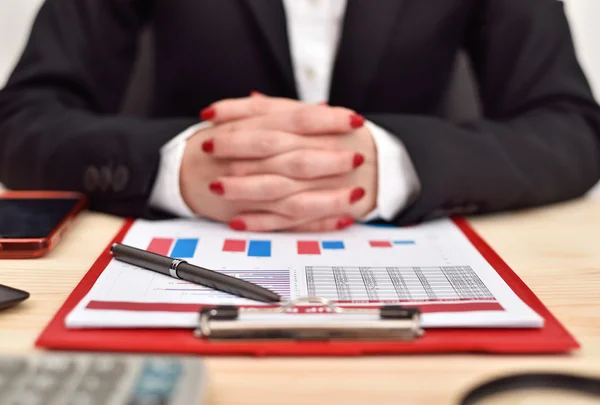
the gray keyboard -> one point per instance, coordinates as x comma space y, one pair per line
100, 379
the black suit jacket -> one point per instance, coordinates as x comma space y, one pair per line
538, 141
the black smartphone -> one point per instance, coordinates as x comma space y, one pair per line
9, 297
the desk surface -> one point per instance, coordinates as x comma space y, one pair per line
555, 250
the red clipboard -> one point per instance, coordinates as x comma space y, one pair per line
551, 338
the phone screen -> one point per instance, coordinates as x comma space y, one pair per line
32, 218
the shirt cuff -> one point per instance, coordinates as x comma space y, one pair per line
397, 180
166, 194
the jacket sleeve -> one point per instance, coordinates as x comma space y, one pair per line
60, 126
538, 140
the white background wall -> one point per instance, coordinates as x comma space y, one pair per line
16, 17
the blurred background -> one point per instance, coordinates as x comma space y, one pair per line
16, 17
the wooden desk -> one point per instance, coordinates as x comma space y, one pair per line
555, 250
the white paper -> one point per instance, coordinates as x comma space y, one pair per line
432, 265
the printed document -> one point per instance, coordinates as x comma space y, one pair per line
433, 266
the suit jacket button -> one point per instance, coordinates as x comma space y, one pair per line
91, 177
105, 178
120, 178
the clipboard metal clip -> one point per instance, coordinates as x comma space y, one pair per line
301, 319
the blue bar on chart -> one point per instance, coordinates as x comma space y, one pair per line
259, 248
333, 244
184, 248
404, 242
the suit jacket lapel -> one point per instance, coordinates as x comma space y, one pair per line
271, 19
367, 27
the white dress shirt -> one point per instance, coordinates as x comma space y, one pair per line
314, 29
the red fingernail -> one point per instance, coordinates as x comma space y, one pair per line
208, 146
344, 223
358, 160
357, 194
356, 121
217, 187
208, 113
238, 225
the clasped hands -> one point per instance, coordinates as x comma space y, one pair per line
275, 164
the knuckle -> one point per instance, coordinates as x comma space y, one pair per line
338, 204
237, 169
231, 128
333, 143
259, 105
320, 226
295, 207
302, 165
302, 119
265, 191
267, 144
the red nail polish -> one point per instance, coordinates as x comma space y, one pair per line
344, 223
358, 160
217, 187
208, 146
357, 194
238, 225
208, 113
357, 121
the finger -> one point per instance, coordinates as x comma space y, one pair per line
312, 120
266, 222
301, 164
324, 224
255, 105
269, 187
253, 144
316, 203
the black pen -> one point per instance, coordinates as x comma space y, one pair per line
194, 274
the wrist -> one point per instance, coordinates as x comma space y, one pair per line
166, 194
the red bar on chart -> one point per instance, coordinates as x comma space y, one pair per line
160, 246
234, 245
380, 243
308, 247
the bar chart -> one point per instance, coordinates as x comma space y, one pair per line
252, 248
182, 248
314, 247
389, 243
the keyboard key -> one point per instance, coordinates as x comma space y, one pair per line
107, 368
148, 400
85, 398
10, 366
5, 381
44, 384
29, 398
164, 367
95, 387
6, 389
56, 366
90, 382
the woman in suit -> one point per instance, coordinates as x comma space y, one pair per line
301, 114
